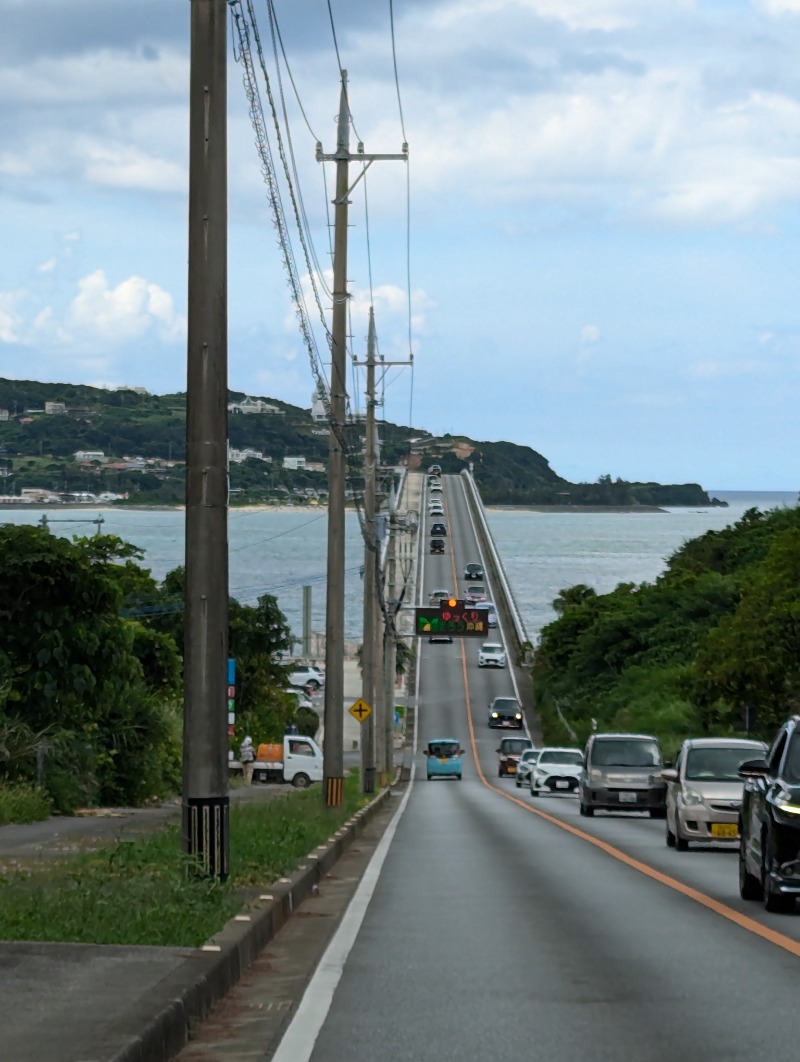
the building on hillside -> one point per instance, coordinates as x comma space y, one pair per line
319, 400
296, 464
247, 454
254, 405
82, 456
4, 414
55, 409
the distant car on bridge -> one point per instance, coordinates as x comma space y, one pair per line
473, 571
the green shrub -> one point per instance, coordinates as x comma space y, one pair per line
20, 802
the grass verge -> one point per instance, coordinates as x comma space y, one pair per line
145, 891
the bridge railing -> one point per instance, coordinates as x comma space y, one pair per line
487, 541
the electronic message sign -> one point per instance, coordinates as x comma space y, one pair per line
451, 617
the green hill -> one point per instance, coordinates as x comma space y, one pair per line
134, 445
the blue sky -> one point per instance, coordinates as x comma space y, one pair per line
605, 250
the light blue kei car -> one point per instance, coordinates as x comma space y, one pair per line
444, 758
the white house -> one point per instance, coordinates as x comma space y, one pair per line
90, 455
294, 463
253, 405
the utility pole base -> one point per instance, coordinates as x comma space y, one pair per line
206, 832
384, 779
369, 780
334, 792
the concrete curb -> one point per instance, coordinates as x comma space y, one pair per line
165, 1015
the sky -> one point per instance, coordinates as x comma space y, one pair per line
593, 250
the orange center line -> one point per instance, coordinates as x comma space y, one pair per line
741, 920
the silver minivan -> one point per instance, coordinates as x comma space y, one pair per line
622, 772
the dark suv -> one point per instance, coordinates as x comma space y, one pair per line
769, 825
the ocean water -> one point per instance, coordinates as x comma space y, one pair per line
280, 552
544, 553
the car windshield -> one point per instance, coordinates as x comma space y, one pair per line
791, 772
625, 752
490, 647
572, 756
505, 704
444, 750
718, 765
530, 755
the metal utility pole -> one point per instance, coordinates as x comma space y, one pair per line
333, 752
205, 743
368, 689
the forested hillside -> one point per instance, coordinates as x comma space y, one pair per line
38, 447
713, 646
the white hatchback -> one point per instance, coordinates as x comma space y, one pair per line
491, 654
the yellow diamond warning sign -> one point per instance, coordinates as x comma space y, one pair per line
359, 710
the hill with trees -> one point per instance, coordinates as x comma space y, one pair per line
133, 444
711, 647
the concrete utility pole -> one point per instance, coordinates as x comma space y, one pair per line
371, 557
389, 653
333, 752
205, 743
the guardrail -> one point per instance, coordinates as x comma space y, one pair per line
475, 503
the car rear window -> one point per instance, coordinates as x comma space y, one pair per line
625, 752
718, 765
445, 750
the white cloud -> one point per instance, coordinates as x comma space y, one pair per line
121, 314
48, 266
710, 370
779, 7
11, 319
590, 334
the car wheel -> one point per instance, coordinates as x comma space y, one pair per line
458, 776
587, 811
301, 781
749, 885
670, 837
681, 844
658, 813
774, 901
534, 792
518, 783
499, 772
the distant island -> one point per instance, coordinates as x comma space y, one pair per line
72, 443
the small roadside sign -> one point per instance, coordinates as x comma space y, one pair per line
360, 710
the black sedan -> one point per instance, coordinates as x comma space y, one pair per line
769, 829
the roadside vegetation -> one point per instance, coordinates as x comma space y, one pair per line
91, 656
145, 891
23, 803
712, 647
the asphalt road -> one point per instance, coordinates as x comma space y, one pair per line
505, 927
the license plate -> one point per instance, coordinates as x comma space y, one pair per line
445, 760
627, 798
562, 785
725, 829
512, 768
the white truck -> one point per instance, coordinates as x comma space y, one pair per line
297, 759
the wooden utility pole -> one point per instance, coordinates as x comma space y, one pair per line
205, 742
333, 752
371, 557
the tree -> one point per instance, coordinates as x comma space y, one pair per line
72, 676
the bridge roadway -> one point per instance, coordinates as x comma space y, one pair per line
502, 927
